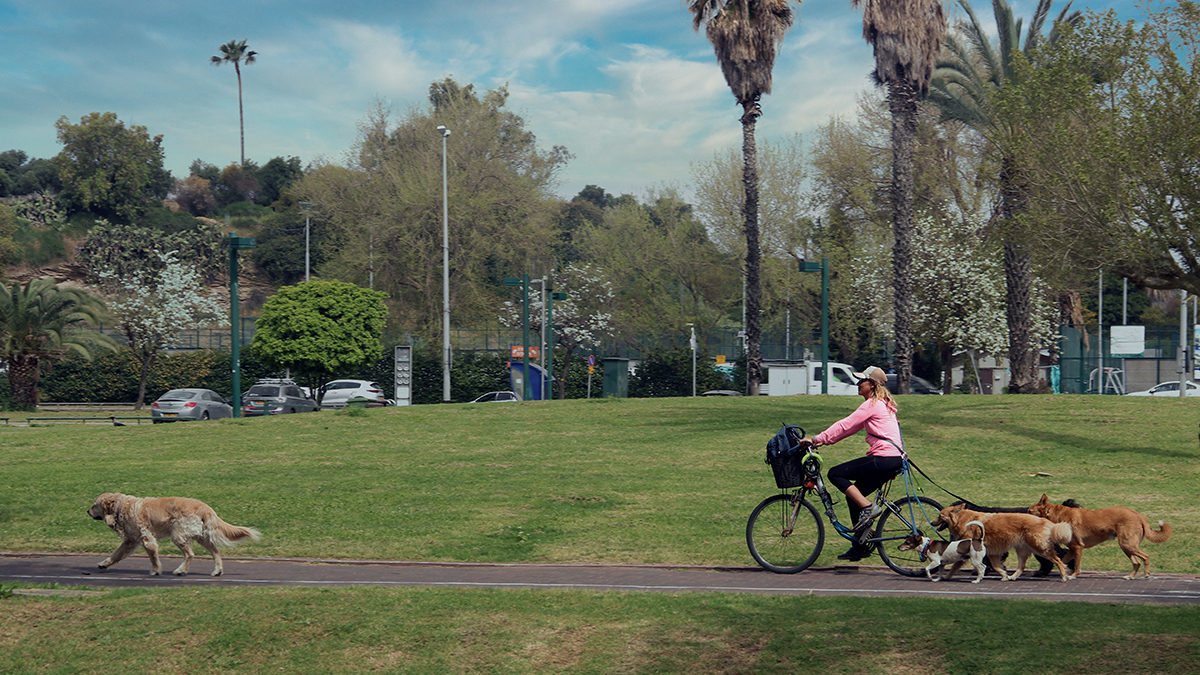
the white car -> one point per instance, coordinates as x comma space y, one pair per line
1168, 389
497, 397
339, 392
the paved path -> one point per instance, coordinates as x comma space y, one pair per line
866, 580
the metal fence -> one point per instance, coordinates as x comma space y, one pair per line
1084, 370
492, 336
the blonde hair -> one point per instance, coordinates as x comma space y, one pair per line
880, 392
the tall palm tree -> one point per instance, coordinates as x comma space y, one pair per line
972, 70
41, 322
746, 34
907, 36
235, 52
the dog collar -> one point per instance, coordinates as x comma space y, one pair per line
925, 548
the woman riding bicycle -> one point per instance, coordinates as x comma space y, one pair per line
860, 477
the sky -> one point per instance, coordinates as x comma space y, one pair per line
632, 92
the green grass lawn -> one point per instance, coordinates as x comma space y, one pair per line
614, 481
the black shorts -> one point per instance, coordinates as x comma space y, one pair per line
867, 473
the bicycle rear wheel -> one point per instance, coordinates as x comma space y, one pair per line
779, 544
893, 529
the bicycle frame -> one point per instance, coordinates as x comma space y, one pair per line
881, 499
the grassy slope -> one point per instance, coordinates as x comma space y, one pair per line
621, 481
629, 481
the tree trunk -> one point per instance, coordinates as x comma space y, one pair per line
903, 104
241, 117
1018, 282
753, 249
947, 354
23, 375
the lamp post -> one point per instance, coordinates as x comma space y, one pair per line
236, 244
307, 212
445, 276
692, 344
823, 268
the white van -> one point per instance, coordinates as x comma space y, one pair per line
788, 378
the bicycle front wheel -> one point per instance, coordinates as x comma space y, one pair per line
915, 515
785, 536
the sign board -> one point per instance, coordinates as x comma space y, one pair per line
592, 357
403, 375
1127, 341
720, 359
518, 352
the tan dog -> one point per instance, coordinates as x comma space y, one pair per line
1005, 532
1091, 527
143, 521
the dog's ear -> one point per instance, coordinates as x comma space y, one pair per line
1045, 500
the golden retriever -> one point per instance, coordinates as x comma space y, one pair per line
1091, 527
143, 521
1005, 532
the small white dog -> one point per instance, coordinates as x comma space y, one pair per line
953, 553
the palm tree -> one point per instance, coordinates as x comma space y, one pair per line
746, 34
235, 52
972, 70
906, 36
41, 322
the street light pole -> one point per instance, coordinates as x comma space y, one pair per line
307, 212
445, 276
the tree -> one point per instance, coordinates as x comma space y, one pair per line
319, 329
235, 52
152, 305
582, 320
384, 210
906, 36
1111, 114
275, 176
746, 35
973, 70
41, 323
113, 171
665, 271
194, 195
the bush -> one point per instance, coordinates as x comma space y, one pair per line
669, 373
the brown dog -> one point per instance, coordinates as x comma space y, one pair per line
143, 521
1018, 532
1091, 527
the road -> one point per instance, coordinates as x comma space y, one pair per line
72, 570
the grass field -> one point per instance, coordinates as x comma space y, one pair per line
619, 481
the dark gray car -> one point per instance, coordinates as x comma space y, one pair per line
276, 397
190, 404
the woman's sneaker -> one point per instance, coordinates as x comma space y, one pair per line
866, 516
856, 552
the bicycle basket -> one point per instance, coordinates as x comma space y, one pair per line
788, 469
785, 458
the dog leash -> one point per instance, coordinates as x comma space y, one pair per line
935, 483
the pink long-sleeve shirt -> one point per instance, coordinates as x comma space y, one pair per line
880, 423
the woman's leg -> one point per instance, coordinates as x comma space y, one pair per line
869, 473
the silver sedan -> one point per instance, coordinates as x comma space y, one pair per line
190, 404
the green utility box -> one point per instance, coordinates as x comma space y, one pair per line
616, 378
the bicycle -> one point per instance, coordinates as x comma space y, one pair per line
785, 533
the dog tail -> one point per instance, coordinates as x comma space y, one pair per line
224, 534
975, 522
1060, 533
1162, 534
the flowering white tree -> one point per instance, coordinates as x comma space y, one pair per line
958, 291
579, 321
151, 306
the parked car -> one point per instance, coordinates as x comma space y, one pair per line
190, 404
276, 397
497, 397
916, 385
338, 392
1168, 389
